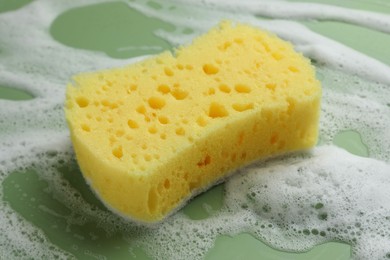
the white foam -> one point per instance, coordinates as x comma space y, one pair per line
350, 193
302, 11
354, 191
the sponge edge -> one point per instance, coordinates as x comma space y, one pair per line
151, 135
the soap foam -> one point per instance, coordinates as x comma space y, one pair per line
345, 198
292, 203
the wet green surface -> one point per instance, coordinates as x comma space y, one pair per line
372, 44
10, 5
382, 6
352, 142
14, 94
205, 204
112, 28
29, 195
251, 249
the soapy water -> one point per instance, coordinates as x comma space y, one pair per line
292, 202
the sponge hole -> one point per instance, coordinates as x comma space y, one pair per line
180, 131
270, 86
210, 69
242, 88
224, 88
152, 129
201, 121
168, 72
274, 138
277, 56
132, 124
156, 102
85, 128
141, 109
167, 184
105, 88
179, 94
132, 88
152, 200
111, 105
205, 161
217, 110
241, 138
119, 133
82, 101
163, 120
147, 157
211, 91
239, 41
225, 46
293, 69
291, 106
117, 152
163, 89
242, 107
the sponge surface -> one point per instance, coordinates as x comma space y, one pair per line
149, 136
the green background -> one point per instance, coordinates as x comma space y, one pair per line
105, 28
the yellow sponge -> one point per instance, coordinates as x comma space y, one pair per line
149, 136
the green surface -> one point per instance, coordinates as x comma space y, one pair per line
245, 246
14, 94
28, 195
10, 5
352, 142
371, 44
205, 204
382, 6
113, 28
110, 28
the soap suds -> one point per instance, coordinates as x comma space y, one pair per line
302, 11
318, 196
333, 207
294, 203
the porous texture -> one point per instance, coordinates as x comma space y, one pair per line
150, 135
